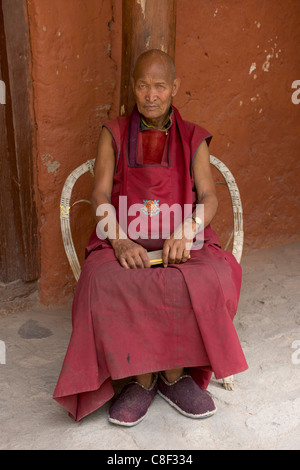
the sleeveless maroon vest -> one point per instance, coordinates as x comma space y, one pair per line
149, 187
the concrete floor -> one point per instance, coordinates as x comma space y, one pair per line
263, 412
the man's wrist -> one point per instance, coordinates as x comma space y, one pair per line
195, 223
115, 241
197, 220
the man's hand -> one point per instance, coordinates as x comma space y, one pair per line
130, 255
177, 247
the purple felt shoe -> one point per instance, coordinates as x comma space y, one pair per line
187, 397
131, 406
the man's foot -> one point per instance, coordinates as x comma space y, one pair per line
186, 396
144, 379
131, 406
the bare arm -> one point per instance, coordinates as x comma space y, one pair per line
204, 183
129, 254
177, 248
104, 171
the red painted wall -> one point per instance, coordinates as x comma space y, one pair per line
237, 60
75, 64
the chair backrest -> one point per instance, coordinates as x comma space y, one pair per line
88, 166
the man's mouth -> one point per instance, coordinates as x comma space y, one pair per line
151, 106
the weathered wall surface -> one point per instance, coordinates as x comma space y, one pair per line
237, 60
75, 88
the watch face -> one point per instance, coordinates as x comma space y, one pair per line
197, 220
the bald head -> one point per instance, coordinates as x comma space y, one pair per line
154, 85
154, 56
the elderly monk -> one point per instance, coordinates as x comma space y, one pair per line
166, 327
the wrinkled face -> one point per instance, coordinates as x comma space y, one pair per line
154, 87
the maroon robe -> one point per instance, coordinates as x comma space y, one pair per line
130, 322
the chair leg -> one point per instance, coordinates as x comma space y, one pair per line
228, 382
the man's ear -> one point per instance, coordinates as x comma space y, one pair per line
176, 85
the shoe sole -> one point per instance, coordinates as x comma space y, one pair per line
189, 415
124, 423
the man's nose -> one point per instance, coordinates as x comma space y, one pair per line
151, 95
